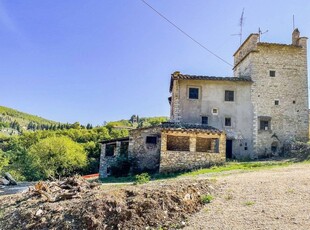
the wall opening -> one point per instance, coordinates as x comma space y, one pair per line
151, 140
203, 144
177, 143
274, 147
109, 150
124, 149
228, 149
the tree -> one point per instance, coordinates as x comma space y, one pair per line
56, 156
4, 160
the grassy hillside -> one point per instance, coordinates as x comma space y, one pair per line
23, 117
13, 121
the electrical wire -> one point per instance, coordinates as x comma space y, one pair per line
186, 34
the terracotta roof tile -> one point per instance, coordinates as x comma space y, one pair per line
189, 127
210, 78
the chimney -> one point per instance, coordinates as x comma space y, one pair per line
295, 37
176, 73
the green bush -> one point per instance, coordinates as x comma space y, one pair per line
121, 167
142, 178
56, 157
205, 199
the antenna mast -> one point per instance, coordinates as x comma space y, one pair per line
241, 22
293, 22
261, 33
241, 25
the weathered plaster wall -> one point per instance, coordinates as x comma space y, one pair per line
172, 161
212, 95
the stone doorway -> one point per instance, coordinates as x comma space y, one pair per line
228, 149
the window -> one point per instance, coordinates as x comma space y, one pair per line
229, 95
215, 111
227, 121
151, 140
204, 120
264, 125
177, 143
193, 93
272, 73
294, 102
276, 102
109, 150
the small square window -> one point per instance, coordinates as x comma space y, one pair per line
215, 111
272, 73
264, 125
294, 102
151, 140
276, 102
227, 121
245, 148
229, 95
193, 93
204, 120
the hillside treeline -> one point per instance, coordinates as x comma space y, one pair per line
63, 150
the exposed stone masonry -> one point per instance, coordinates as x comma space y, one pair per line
172, 161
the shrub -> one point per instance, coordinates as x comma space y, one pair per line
56, 156
121, 167
142, 178
205, 199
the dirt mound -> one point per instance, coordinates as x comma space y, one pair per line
157, 204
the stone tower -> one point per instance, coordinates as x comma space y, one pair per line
279, 92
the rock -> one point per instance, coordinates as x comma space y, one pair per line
9, 177
39, 212
4, 181
187, 197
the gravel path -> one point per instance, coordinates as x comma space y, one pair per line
266, 199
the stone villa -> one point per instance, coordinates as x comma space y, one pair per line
250, 115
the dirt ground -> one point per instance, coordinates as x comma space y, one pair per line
265, 199
277, 198
156, 205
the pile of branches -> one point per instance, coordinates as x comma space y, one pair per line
69, 188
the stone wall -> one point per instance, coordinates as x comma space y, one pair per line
247, 46
106, 161
288, 116
172, 161
175, 114
144, 156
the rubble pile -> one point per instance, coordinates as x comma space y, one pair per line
56, 191
77, 204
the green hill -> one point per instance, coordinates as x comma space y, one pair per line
13, 121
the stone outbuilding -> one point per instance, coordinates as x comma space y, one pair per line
169, 147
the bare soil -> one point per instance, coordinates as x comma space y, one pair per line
156, 205
266, 199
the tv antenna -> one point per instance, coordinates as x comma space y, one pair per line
260, 32
241, 22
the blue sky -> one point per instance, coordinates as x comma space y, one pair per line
102, 60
